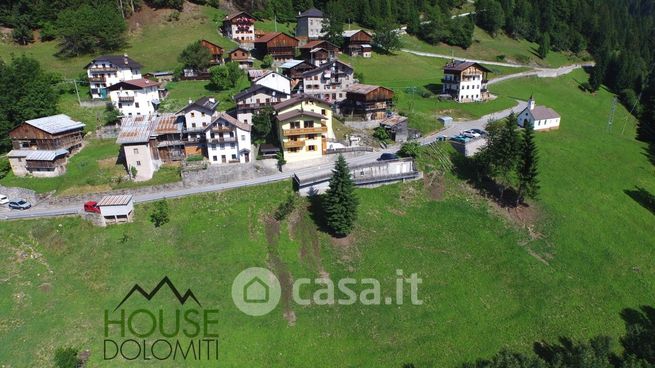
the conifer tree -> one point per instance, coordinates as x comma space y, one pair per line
527, 170
340, 203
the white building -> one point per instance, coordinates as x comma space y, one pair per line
255, 98
274, 81
239, 26
116, 209
541, 117
310, 24
328, 82
228, 140
135, 97
107, 70
465, 81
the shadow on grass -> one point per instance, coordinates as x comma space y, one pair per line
643, 197
434, 88
317, 214
640, 325
472, 172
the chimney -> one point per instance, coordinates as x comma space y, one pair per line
190, 101
125, 58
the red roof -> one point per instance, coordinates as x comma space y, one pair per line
234, 15
134, 84
269, 36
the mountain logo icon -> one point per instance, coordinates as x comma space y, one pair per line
149, 295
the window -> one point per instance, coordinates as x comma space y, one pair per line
193, 125
311, 148
323, 110
136, 151
202, 114
311, 136
243, 137
193, 114
234, 157
295, 124
120, 105
309, 124
215, 158
138, 163
136, 105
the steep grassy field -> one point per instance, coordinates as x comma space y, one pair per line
485, 47
153, 41
487, 283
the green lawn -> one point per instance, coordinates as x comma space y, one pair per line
144, 42
485, 47
182, 91
487, 284
94, 169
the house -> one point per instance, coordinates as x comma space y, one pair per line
274, 81
239, 26
228, 140
242, 57
357, 43
254, 99
254, 74
294, 69
465, 81
367, 102
215, 51
41, 147
318, 52
116, 209
280, 46
328, 82
310, 24
135, 97
148, 141
541, 117
107, 70
304, 125
195, 118
397, 127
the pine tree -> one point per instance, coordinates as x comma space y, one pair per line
544, 45
340, 203
527, 170
646, 128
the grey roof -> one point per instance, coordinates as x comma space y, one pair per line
204, 103
324, 67
313, 12
255, 88
461, 65
348, 34
118, 60
231, 120
291, 63
543, 113
298, 99
55, 124
295, 113
38, 155
115, 200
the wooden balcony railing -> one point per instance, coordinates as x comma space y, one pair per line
222, 139
294, 144
304, 131
102, 70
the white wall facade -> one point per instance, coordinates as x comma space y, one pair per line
255, 101
247, 35
232, 147
275, 81
329, 85
105, 74
140, 157
135, 102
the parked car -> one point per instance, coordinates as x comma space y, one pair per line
479, 131
91, 206
388, 156
471, 134
19, 204
4, 199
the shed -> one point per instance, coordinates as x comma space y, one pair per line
116, 209
446, 121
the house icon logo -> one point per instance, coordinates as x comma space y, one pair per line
256, 291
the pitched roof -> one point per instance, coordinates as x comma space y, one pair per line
298, 99
203, 103
312, 44
291, 63
236, 14
294, 113
118, 60
239, 48
271, 35
257, 73
348, 34
313, 12
543, 113
55, 124
140, 128
363, 88
38, 155
461, 65
232, 120
255, 88
140, 83
115, 200
325, 67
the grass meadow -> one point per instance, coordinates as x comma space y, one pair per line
488, 283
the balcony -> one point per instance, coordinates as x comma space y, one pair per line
103, 70
222, 140
128, 99
97, 79
294, 144
220, 129
304, 131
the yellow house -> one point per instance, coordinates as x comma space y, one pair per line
304, 126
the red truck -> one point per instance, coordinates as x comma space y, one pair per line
91, 206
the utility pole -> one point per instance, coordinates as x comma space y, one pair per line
610, 120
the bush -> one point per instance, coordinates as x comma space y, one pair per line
159, 216
409, 149
22, 34
381, 134
174, 16
4, 167
48, 32
285, 208
66, 358
500, 57
267, 61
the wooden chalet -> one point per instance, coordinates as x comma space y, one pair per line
318, 52
357, 43
294, 69
367, 102
215, 51
48, 133
280, 46
242, 57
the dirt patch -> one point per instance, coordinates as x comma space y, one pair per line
45, 287
279, 268
108, 163
435, 186
303, 230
